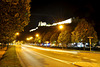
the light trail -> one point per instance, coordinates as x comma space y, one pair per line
63, 61
73, 52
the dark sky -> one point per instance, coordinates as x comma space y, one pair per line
55, 11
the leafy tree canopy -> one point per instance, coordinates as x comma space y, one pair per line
84, 30
14, 16
64, 37
54, 37
47, 36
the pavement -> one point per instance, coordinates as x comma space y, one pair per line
2, 51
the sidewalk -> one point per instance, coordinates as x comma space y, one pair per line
2, 51
9, 57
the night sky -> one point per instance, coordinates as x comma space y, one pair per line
55, 11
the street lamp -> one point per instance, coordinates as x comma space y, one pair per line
61, 27
30, 38
37, 35
17, 33
27, 39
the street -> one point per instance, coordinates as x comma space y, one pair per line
32, 56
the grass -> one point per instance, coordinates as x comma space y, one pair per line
10, 58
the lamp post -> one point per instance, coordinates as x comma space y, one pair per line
37, 36
61, 27
16, 34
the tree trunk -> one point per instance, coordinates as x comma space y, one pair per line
84, 46
62, 46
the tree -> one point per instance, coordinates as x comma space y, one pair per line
14, 16
74, 23
37, 40
82, 31
65, 35
54, 38
64, 38
47, 36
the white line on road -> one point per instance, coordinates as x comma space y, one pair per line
63, 61
85, 58
93, 59
89, 59
67, 62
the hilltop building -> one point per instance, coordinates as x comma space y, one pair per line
68, 21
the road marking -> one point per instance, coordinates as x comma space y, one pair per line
67, 62
86, 64
85, 58
89, 59
17, 52
93, 59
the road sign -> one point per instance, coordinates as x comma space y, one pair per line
90, 41
90, 37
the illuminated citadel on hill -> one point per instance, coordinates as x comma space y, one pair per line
68, 21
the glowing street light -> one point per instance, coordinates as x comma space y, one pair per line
37, 35
60, 27
30, 38
17, 33
27, 39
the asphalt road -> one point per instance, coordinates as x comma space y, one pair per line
32, 56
